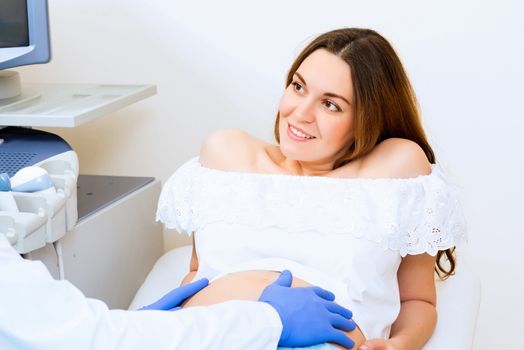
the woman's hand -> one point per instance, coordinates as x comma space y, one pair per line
379, 344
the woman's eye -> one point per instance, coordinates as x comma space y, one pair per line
297, 87
331, 106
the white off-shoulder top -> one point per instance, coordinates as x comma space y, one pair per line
345, 235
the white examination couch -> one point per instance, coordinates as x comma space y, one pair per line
458, 299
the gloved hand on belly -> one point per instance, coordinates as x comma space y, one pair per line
173, 299
309, 314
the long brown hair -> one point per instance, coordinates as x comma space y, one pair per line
384, 103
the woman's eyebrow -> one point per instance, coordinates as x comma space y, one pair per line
301, 78
329, 94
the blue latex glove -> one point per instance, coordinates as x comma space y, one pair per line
309, 314
173, 299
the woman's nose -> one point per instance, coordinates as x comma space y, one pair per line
305, 112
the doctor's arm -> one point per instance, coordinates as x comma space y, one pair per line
38, 312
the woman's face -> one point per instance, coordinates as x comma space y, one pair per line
316, 112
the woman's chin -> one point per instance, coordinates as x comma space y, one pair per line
295, 153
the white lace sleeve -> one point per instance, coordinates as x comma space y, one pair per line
175, 202
431, 219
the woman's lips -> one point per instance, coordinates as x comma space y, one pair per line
296, 137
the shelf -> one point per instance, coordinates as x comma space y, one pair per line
96, 192
68, 105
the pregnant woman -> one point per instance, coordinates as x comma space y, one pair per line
349, 198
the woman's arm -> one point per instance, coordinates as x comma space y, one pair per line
400, 158
418, 316
193, 265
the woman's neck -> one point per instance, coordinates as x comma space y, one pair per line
297, 167
300, 167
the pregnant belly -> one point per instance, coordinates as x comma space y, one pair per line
248, 285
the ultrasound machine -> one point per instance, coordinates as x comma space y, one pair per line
80, 226
38, 170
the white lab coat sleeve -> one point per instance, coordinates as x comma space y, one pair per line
38, 312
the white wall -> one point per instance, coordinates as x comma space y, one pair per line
222, 64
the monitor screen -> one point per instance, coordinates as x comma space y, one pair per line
24, 33
14, 30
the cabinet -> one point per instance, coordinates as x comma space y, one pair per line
116, 241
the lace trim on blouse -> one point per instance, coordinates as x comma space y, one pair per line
412, 216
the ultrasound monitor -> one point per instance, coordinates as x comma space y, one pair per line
14, 31
24, 39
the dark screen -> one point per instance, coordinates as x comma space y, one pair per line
13, 23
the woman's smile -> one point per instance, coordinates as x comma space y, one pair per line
298, 135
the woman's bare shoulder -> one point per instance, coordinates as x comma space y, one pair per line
395, 158
229, 150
